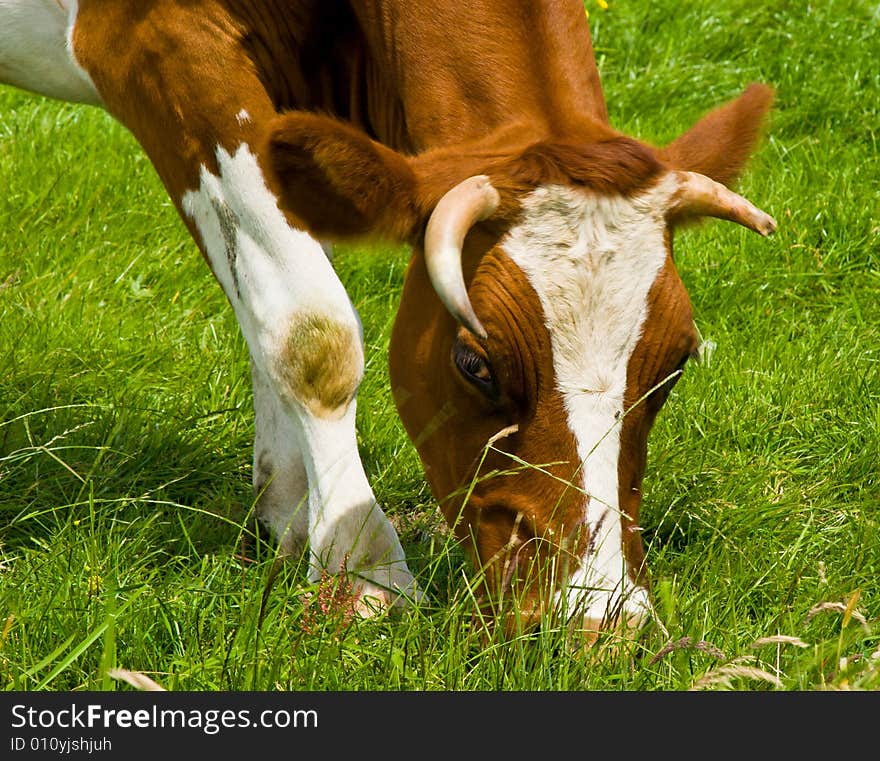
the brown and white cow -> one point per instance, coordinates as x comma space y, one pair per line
542, 321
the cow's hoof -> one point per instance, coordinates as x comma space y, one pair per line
373, 600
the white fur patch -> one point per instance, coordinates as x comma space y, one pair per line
36, 53
269, 270
272, 273
592, 261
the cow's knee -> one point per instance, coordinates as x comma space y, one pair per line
319, 363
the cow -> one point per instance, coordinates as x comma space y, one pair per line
542, 322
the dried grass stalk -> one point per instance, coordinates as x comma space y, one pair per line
779, 639
137, 680
723, 676
837, 606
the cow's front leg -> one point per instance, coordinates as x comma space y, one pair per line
307, 361
311, 487
347, 528
200, 111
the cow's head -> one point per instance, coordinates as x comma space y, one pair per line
541, 325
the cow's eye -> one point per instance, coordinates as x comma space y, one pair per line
474, 368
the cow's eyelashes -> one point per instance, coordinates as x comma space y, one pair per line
474, 368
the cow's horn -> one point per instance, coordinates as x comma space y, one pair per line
699, 195
469, 202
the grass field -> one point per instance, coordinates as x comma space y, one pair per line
126, 420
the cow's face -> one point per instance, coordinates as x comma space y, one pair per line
541, 326
533, 430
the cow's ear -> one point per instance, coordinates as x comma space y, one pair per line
338, 181
719, 144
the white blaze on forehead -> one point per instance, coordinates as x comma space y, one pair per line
592, 261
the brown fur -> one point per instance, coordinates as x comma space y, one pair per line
362, 185
669, 338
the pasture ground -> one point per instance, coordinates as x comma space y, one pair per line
126, 421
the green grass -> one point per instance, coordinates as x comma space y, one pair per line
126, 421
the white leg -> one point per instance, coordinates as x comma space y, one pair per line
347, 528
280, 480
307, 357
